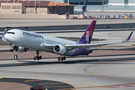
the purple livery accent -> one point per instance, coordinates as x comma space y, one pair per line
81, 52
85, 39
87, 36
3, 36
84, 6
32, 35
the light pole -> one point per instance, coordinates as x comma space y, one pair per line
55, 2
35, 7
39, 4
102, 5
55, 7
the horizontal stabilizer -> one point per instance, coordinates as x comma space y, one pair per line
126, 48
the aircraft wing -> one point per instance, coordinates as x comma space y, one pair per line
70, 47
87, 46
124, 48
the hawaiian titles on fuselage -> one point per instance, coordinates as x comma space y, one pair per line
32, 35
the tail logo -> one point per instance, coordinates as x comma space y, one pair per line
87, 37
90, 33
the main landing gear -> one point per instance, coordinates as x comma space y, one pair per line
37, 57
61, 58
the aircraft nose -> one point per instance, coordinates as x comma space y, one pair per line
6, 36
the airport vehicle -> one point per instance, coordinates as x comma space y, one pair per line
23, 40
81, 11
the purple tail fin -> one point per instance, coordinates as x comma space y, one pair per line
84, 6
87, 36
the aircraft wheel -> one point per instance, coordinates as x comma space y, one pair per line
40, 57
59, 58
35, 58
64, 58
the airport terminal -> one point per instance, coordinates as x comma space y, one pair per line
60, 8
107, 5
97, 4
52, 53
64, 9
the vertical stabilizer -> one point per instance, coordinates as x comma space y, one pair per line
84, 6
87, 36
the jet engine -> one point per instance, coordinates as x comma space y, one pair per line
19, 49
59, 49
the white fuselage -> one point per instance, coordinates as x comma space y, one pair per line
78, 11
34, 40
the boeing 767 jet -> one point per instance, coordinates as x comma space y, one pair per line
23, 40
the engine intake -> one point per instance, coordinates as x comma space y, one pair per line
59, 49
19, 49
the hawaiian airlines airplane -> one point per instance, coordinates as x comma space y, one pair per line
79, 11
23, 40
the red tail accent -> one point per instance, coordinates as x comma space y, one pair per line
87, 36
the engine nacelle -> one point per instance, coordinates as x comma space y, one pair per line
19, 49
59, 49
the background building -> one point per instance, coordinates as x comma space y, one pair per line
12, 8
98, 5
127, 5
35, 9
90, 2
121, 2
38, 7
116, 5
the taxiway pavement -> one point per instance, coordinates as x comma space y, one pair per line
100, 70
92, 73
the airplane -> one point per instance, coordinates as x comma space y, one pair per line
81, 11
22, 40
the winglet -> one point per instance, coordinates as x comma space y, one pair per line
3, 36
128, 37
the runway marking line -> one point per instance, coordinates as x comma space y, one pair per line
59, 86
102, 75
51, 83
110, 86
33, 80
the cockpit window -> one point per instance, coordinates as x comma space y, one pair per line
10, 32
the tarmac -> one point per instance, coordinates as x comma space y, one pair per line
47, 22
104, 70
